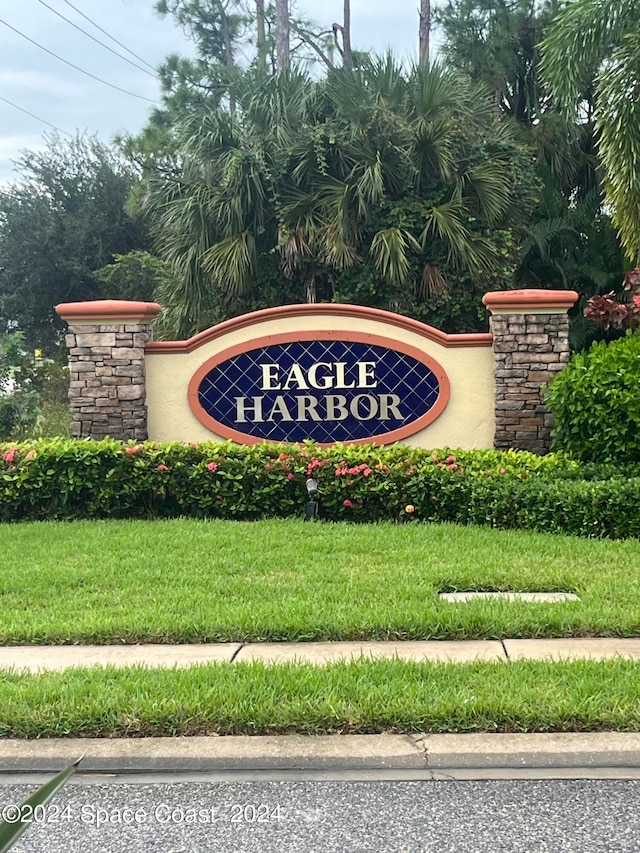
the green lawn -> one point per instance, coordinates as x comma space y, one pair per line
195, 581
358, 697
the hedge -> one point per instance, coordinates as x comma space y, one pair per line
67, 479
596, 405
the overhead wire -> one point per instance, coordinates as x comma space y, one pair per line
76, 67
93, 38
113, 38
33, 115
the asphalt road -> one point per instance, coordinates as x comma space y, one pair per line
577, 816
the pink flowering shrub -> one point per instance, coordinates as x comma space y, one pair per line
90, 479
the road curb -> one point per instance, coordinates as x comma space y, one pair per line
325, 752
282, 752
533, 750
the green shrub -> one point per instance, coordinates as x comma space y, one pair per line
66, 479
596, 403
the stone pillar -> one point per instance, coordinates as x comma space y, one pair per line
530, 343
106, 341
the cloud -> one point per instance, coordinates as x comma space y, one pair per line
36, 81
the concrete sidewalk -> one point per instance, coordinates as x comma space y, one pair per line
58, 658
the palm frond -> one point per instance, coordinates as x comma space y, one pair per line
389, 250
231, 263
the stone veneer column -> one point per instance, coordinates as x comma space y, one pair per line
530, 343
106, 341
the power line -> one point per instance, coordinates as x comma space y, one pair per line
37, 118
101, 43
77, 68
113, 38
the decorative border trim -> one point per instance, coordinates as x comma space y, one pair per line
107, 311
530, 301
322, 335
283, 312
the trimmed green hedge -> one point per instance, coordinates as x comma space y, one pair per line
66, 479
596, 403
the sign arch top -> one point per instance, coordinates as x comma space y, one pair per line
327, 373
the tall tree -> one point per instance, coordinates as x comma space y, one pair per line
570, 242
261, 37
602, 39
425, 30
62, 219
283, 48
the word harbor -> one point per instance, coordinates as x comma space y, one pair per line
308, 407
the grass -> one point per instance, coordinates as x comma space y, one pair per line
358, 697
194, 581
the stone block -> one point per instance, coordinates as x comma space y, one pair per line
538, 340
100, 351
538, 376
131, 392
508, 405
83, 329
104, 371
129, 353
100, 339
129, 370
531, 357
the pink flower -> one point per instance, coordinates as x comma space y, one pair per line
347, 503
452, 467
212, 466
450, 459
9, 456
162, 468
193, 444
503, 471
132, 450
367, 472
289, 476
30, 455
440, 464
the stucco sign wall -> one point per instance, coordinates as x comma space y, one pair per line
328, 373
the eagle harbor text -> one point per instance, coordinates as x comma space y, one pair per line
320, 376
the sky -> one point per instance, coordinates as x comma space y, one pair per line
54, 92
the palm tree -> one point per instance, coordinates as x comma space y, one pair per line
598, 42
369, 166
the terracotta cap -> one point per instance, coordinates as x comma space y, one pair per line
107, 310
511, 300
324, 310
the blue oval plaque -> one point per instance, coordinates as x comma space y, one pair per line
336, 387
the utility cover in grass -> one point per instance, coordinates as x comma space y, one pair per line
544, 597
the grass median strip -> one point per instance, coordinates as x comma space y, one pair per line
207, 581
359, 697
